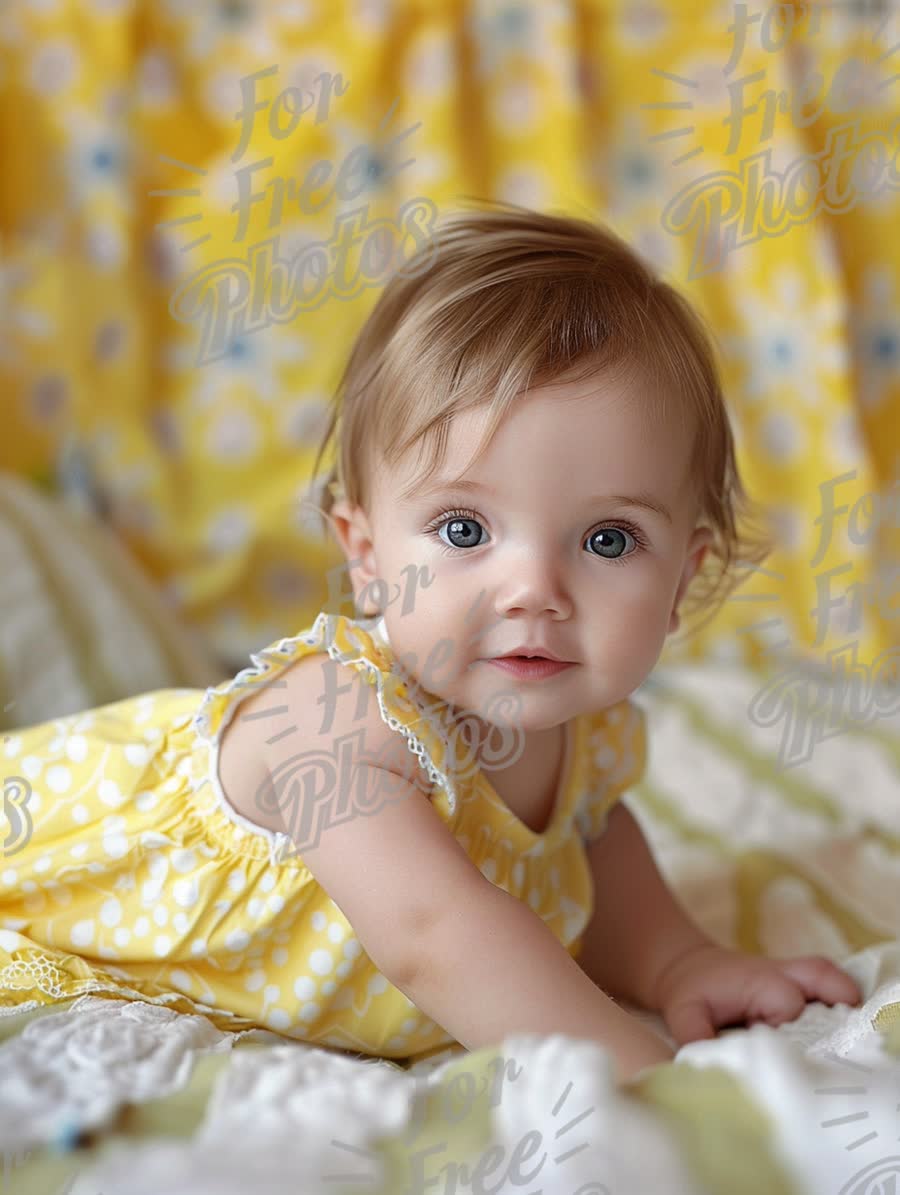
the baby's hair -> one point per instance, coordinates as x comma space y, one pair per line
503, 299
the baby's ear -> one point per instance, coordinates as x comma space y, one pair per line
694, 555
351, 526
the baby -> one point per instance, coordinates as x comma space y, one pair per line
533, 461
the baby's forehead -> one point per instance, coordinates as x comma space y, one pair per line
637, 457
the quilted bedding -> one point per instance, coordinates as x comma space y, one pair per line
778, 829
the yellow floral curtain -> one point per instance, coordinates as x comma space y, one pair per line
200, 200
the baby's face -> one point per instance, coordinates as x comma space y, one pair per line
546, 551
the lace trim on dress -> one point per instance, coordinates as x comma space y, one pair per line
220, 703
34, 970
391, 683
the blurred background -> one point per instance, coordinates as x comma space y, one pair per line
164, 162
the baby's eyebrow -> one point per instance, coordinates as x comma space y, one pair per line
642, 500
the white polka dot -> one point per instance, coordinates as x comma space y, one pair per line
605, 757
145, 801
278, 1018
13, 746
518, 872
321, 962
44, 863
77, 748
488, 869
352, 948
80, 814
31, 766
59, 779
161, 915
142, 927
29, 886
279, 956
162, 944
137, 754
343, 969
8, 941
534, 898
522, 185
781, 435
276, 902
267, 883
517, 105
110, 794
122, 936
53, 66
182, 922
318, 921
255, 907
9, 876
60, 893
115, 845
111, 912
328, 987
237, 939
337, 932
255, 981
186, 892
229, 529
180, 979
198, 946
237, 881
409, 1025
309, 1012
304, 987
82, 933
183, 860
79, 850
377, 985
272, 992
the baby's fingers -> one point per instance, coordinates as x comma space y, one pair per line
819, 979
690, 1020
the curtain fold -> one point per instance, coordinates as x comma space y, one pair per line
144, 335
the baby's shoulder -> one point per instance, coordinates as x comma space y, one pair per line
318, 714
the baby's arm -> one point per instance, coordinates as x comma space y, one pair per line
638, 927
477, 961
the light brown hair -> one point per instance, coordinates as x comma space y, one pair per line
504, 299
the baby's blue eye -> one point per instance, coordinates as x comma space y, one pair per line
462, 529
610, 541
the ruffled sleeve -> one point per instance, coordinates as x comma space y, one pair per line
617, 747
422, 720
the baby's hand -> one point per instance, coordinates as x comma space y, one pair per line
711, 987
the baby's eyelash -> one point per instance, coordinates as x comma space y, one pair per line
434, 525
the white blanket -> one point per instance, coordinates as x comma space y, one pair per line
784, 860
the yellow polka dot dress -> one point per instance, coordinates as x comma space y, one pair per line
125, 873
